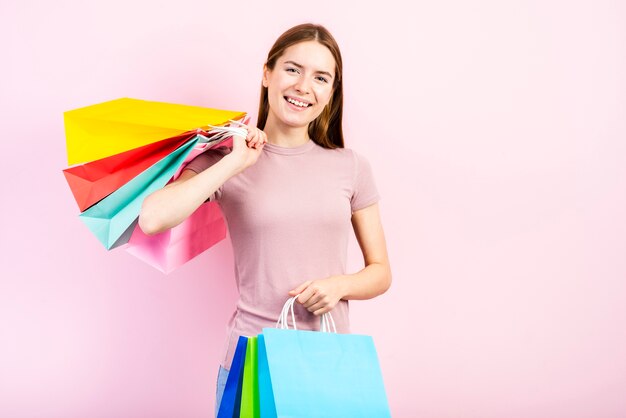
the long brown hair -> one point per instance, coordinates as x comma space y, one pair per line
326, 129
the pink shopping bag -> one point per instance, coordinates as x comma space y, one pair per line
172, 248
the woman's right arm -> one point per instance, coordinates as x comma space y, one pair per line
169, 206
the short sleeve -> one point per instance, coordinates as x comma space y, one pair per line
206, 160
364, 191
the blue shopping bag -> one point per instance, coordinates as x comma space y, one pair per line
231, 399
319, 374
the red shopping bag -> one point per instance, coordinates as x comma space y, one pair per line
93, 181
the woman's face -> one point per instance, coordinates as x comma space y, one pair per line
301, 84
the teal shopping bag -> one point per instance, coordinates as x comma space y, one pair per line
319, 374
267, 405
113, 219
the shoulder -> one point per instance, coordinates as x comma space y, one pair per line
346, 154
348, 159
355, 159
214, 154
220, 151
206, 159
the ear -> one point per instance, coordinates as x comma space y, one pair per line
265, 75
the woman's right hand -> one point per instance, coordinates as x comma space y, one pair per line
246, 150
171, 205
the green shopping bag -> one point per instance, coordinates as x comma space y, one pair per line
250, 388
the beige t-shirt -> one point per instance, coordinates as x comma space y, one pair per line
289, 219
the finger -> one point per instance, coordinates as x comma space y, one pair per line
258, 141
253, 141
321, 311
252, 132
306, 295
255, 138
320, 304
315, 300
300, 288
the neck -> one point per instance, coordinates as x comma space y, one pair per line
283, 135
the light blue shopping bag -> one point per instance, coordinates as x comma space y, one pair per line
319, 374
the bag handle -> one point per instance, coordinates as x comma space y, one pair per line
218, 133
326, 320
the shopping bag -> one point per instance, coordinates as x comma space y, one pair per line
172, 248
95, 180
250, 387
111, 218
231, 399
112, 127
319, 374
129, 148
267, 406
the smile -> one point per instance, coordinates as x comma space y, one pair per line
297, 103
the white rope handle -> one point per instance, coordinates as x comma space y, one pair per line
215, 134
284, 315
220, 132
326, 320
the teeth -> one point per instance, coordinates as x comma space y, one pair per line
297, 103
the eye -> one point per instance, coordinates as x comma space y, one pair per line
323, 79
290, 69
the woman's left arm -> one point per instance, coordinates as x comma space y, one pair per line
321, 296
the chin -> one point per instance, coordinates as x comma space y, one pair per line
288, 119
294, 122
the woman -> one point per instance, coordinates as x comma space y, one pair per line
289, 192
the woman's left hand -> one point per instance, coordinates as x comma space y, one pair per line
319, 296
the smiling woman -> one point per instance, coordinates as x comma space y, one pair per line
305, 66
299, 85
291, 194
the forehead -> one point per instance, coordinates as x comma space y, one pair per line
310, 54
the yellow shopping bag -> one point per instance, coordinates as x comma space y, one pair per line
109, 128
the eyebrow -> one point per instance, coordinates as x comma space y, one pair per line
300, 66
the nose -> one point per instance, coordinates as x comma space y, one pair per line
302, 85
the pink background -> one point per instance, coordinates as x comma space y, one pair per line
496, 131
